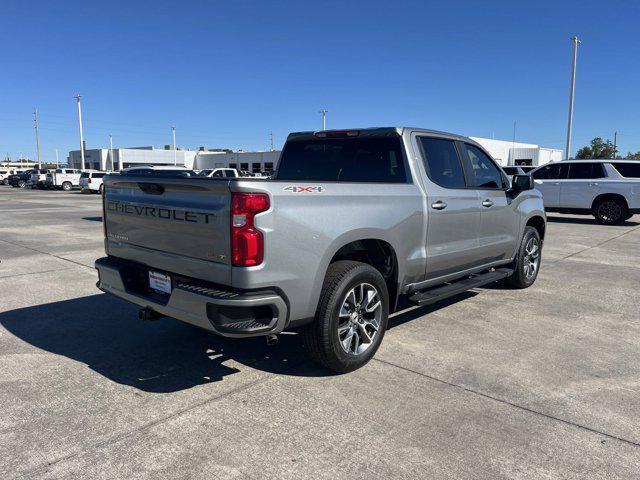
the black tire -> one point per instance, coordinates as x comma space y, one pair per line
66, 186
322, 338
100, 189
22, 184
524, 262
5, 181
610, 211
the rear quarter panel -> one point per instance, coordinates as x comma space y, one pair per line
304, 230
627, 187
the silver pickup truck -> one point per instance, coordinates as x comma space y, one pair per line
353, 222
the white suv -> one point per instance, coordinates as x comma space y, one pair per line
607, 189
92, 181
5, 174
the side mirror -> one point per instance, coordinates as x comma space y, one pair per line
520, 183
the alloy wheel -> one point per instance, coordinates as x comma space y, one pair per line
531, 258
359, 318
609, 211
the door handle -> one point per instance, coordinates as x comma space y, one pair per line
487, 203
555, 183
593, 184
439, 205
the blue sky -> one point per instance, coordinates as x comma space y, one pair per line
227, 73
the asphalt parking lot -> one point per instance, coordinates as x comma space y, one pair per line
495, 383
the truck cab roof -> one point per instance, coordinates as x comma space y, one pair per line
373, 132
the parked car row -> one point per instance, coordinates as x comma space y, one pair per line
91, 180
59, 179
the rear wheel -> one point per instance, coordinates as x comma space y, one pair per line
66, 186
528, 260
351, 318
100, 189
611, 211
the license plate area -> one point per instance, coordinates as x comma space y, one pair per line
159, 282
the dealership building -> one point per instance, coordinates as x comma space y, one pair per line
118, 158
245, 161
516, 153
109, 160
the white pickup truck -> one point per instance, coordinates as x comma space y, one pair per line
38, 178
63, 179
607, 189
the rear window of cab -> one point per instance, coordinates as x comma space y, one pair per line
359, 159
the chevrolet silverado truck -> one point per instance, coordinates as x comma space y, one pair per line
354, 224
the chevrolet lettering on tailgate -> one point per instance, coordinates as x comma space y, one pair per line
159, 212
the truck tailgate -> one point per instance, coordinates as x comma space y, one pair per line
186, 217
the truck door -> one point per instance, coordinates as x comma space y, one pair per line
582, 185
453, 212
548, 179
499, 223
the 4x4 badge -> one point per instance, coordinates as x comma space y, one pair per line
304, 189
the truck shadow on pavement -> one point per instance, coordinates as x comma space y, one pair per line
162, 356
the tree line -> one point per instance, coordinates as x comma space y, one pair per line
599, 148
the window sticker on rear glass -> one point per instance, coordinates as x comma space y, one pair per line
304, 189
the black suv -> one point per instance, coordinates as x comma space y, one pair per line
20, 179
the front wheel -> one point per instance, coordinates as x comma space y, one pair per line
22, 184
5, 181
351, 318
66, 186
527, 262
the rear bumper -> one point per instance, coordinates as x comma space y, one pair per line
225, 312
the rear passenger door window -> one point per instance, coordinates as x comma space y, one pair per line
442, 162
579, 171
484, 172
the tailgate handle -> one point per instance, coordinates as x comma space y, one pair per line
151, 188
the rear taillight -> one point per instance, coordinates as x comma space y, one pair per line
247, 242
89, 180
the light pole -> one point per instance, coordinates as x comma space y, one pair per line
57, 161
175, 153
324, 118
81, 136
35, 119
576, 42
113, 164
